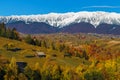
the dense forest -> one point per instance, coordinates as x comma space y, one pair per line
98, 58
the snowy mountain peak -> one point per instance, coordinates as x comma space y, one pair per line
63, 19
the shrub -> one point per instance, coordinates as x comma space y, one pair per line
94, 75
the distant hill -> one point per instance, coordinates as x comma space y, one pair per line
38, 27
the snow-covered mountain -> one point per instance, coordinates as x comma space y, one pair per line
64, 19
86, 22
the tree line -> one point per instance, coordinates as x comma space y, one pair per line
8, 33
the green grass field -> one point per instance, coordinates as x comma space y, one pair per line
28, 50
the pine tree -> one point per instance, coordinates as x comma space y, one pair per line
84, 55
29, 39
14, 34
2, 30
28, 72
8, 33
53, 46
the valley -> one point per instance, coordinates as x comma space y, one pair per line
71, 52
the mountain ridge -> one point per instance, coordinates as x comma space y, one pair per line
61, 20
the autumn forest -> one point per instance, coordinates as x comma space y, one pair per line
59, 56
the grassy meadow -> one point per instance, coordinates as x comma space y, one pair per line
91, 55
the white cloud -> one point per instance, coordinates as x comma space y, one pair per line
102, 7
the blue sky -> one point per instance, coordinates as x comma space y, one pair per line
27, 7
